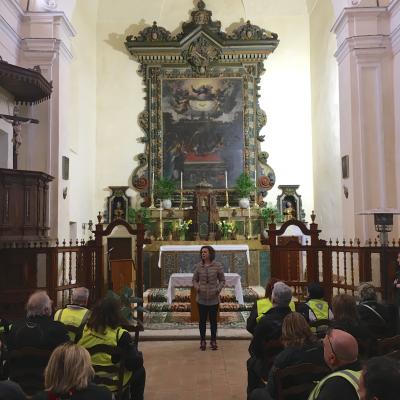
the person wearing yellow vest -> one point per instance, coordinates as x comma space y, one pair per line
379, 379
315, 308
105, 327
341, 356
262, 306
75, 315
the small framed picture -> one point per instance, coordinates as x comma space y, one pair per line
65, 168
345, 167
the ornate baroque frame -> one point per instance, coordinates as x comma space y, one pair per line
201, 50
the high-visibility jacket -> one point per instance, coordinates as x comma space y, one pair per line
265, 304
72, 316
320, 308
110, 337
351, 376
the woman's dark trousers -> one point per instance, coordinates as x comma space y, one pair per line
212, 312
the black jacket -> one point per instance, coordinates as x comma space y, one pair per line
381, 319
338, 387
92, 392
251, 322
38, 332
313, 354
268, 328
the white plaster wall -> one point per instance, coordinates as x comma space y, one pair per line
6, 107
328, 191
82, 115
285, 93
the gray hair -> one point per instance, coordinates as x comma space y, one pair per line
80, 296
366, 291
281, 294
39, 304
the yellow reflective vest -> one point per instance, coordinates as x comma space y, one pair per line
320, 308
351, 376
72, 316
110, 337
265, 304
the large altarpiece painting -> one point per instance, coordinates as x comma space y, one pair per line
202, 120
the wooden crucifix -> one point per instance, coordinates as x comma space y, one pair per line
16, 121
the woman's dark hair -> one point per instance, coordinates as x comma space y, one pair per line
315, 291
381, 377
210, 250
106, 313
269, 286
344, 308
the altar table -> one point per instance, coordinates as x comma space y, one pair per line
185, 280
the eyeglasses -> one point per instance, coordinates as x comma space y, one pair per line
330, 344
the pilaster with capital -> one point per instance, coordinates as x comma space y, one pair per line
367, 116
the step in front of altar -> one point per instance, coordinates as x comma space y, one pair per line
156, 300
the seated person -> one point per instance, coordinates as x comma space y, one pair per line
37, 331
76, 314
266, 343
341, 356
63, 380
262, 306
315, 308
381, 319
347, 319
105, 327
301, 346
10, 390
380, 379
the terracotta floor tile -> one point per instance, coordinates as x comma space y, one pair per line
178, 370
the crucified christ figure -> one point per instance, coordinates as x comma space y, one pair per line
16, 121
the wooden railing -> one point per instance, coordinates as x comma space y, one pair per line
338, 266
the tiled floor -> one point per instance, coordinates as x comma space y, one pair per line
178, 370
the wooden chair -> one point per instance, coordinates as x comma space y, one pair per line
104, 374
26, 367
296, 382
388, 345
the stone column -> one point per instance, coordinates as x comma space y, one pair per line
367, 118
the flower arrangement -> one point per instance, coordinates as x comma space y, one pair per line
226, 227
182, 225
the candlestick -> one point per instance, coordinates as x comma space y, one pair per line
226, 179
255, 190
161, 223
249, 234
152, 192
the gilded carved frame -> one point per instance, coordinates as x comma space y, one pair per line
201, 50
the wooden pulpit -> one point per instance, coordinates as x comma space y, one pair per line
122, 274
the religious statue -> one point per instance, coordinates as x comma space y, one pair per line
118, 211
289, 212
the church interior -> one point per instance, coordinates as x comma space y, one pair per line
133, 134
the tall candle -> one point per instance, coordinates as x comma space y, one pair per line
249, 212
226, 179
255, 177
152, 183
181, 180
160, 212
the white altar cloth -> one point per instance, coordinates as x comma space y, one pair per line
185, 279
197, 247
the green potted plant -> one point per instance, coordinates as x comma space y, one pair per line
164, 189
269, 213
244, 186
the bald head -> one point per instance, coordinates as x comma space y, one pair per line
39, 304
340, 348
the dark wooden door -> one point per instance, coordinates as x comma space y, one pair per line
290, 258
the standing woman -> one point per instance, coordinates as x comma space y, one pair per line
208, 280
